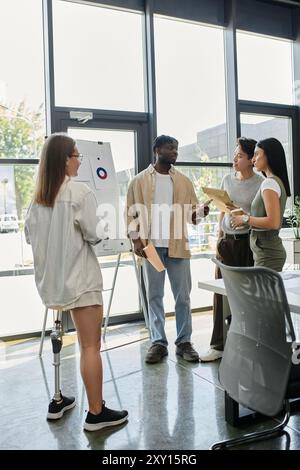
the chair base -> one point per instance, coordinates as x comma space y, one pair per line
255, 436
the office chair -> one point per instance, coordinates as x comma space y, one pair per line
256, 368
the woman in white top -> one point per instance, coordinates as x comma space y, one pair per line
61, 226
268, 206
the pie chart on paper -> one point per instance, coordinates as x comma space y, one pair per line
101, 173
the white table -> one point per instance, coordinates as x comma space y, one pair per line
291, 280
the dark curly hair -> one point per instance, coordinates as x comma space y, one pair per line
162, 140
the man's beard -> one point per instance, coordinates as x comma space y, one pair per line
164, 161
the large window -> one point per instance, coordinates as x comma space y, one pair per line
265, 70
190, 87
22, 130
22, 118
259, 127
24, 310
191, 106
16, 190
22, 94
203, 237
98, 57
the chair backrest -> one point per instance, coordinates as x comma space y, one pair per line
256, 362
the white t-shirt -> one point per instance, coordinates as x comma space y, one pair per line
270, 183
161, 210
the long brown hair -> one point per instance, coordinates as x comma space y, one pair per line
52, 169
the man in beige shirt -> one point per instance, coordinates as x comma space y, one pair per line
160, 203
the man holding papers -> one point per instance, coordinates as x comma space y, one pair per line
160, 203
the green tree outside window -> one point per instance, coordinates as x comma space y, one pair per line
21, 137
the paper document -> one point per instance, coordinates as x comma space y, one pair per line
153, 258
220, 198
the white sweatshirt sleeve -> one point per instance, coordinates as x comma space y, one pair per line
90, 225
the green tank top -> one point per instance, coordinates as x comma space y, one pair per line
258, 206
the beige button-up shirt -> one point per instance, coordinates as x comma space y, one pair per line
139, 209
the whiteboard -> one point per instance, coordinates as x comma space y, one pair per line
97, 170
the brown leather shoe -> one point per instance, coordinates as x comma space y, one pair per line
155, 353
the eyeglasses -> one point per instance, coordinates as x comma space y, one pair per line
77, 155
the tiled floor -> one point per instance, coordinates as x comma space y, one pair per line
172, 405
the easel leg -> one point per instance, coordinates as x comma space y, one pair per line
43, 332
111, 295
144, 308
141, 296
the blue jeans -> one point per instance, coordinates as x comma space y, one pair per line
179, 273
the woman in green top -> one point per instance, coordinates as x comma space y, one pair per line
268, 206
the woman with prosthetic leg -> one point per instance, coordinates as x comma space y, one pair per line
61, 226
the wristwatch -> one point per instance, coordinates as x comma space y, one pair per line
245, 218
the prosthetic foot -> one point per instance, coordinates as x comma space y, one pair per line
59, 403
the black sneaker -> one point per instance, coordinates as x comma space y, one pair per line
104, 419
156, 353
187, 352
56, 409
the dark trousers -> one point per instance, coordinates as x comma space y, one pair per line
232, 252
